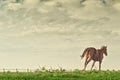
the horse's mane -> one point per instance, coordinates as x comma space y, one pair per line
103, 47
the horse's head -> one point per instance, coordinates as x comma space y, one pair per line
104, 49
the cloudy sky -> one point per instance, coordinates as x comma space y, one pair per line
54, 33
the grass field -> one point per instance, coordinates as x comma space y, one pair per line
61, 75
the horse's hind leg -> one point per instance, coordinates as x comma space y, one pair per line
88, 61
85, 63
93, 65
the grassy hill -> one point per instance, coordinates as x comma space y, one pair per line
61, 75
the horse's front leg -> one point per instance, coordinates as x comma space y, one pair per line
100, 65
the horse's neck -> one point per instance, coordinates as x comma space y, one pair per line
99, 51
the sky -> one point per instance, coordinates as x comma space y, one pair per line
54, 33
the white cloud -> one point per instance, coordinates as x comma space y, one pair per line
14, 6
117, 6
31, 3
70, 18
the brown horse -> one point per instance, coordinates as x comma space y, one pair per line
95, 55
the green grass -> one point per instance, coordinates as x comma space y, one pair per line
61, 75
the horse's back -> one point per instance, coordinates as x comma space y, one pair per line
91, 52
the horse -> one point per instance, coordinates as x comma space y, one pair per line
94, 54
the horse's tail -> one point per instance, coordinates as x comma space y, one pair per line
85, 51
